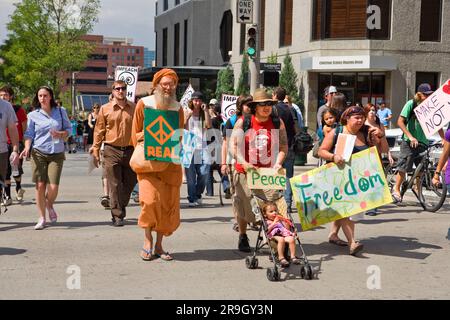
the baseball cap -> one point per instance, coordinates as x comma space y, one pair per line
213, 101
425, 88
332, 89
197, 95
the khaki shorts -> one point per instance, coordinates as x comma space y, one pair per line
242, 197
47, 167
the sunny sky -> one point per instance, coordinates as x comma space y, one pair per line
117, 18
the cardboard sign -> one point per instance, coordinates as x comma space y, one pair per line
161, 141
130, 76
186, 97
228, 106
267, 179
434, 113
330, 193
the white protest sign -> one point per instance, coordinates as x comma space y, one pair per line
186, 97
434, 113
228, 106
267, 179
130, 76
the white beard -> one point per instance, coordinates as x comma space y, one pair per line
164, 101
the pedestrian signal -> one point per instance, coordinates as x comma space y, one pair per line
251, 42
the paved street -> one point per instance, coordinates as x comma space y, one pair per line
405, 246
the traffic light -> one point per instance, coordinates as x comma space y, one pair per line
251, 42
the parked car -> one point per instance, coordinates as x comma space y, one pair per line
394, 139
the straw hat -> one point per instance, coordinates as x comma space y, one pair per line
261, 96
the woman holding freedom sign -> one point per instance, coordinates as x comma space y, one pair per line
352, 121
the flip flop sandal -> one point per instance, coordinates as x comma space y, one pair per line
338, 242
148, 253
164, 256
396, 197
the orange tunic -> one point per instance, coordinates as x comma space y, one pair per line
159, 192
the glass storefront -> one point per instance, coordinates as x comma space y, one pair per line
359, 88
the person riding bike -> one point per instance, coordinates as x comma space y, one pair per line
414, 140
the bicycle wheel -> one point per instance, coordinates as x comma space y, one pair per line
431, 197
391, 175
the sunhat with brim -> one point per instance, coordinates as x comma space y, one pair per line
261, 96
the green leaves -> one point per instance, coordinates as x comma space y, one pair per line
289, 79
44, 42
225, 82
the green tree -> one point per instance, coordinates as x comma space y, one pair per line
45, 41
273, 58
243, 86
289, 79
225, 82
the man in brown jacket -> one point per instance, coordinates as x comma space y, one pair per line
113, 127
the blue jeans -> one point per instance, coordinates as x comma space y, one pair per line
196, 175
289, 166
448, 189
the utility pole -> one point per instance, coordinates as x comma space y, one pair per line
254, 63
73, 94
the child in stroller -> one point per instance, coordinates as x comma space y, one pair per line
276, 227
282, 230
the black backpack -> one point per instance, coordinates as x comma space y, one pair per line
303, 142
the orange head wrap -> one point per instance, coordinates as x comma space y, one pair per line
164, 73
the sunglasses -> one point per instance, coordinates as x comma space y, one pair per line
120, 88
264, 104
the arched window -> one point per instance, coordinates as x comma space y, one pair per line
226, 35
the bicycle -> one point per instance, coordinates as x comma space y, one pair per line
430, 197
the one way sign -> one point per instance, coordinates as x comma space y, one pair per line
244, 11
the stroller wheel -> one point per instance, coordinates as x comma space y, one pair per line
306, 272
251, 262
273, 274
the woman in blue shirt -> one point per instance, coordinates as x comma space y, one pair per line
48, 127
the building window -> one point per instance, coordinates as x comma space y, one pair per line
138, 51
185, 42
432, 78
164, 47
347, 19
166, 5
384, 32
430, 20
176, 45
177, 2
286, 23
262, 27
226, 35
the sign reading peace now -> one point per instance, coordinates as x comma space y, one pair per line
266, 179
434, 113
161, 141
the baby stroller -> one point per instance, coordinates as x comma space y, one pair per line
273, 274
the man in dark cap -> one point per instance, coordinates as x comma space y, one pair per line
414, 140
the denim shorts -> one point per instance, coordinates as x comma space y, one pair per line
409, 156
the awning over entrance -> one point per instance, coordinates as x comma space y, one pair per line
349, 63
